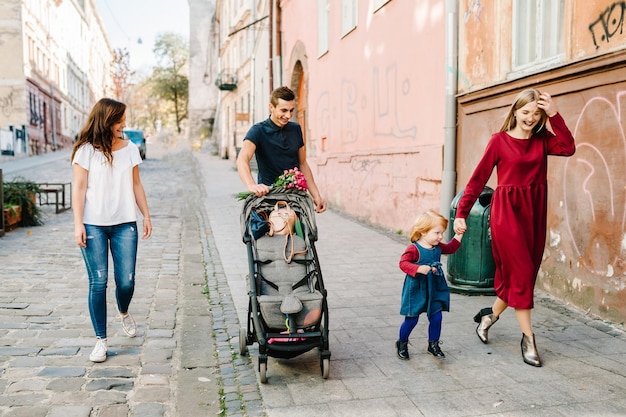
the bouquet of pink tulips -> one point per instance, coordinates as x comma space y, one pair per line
289, 179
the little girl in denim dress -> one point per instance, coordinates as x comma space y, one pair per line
425, 288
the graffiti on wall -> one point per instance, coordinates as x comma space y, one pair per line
608, 24
322, 122
365, 168
387, 92
349, 112
474, 8
364, 165
380, 108
594, 191
6, 104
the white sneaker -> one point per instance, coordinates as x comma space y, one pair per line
99, 352
129, 325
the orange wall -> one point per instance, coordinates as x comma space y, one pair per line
375, 105
597, 27
591, 28
484, 42
584, 259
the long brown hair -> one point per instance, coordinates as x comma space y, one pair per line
522, 99
97, 131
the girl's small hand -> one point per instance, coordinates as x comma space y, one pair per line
424, 269
459, 226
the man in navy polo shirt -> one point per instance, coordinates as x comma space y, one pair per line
278, 145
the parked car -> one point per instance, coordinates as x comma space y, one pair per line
138, 138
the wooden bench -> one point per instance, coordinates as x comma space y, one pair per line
59, 191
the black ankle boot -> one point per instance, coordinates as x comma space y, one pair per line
435, 350
485, 319
403, 349
483, 312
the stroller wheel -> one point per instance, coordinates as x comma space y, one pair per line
325, 365
243, 341
263, 371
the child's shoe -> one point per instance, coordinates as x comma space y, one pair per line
435, 350
403, 349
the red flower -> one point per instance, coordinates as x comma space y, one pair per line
289, 179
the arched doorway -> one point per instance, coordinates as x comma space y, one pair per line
298, 85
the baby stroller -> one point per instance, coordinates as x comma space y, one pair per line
287, 306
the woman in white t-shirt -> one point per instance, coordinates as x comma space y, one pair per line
106, 194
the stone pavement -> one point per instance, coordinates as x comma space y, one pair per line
584, 358
169, 369
191, 298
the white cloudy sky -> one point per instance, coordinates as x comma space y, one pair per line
134, 24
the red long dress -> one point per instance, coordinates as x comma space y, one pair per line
518, 206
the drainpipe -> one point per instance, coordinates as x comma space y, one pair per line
252, 104
271, 46
52, 124
278, 58
448, 179
252, 42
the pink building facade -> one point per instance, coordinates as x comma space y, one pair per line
370, 83
373, 88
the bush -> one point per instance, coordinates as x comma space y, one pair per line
22, 192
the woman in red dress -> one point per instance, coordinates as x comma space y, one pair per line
518, 206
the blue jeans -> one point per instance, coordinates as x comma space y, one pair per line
122, 239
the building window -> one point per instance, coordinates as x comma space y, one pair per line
31, 53
348, 16
323, 10
537, 32
379, 4
239, 117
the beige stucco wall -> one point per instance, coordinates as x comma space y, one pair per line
12, 87
374, 106
57, 53
202, 70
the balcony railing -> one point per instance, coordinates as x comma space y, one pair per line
227, 80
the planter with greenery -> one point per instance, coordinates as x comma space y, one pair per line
12, 216
23, 193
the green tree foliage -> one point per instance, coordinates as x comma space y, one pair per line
150, 108
169, 78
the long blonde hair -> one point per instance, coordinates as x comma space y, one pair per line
425, 222
522, 99
97, 131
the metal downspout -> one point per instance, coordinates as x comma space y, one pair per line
278, 58
252, 96
271, 47
448, 178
